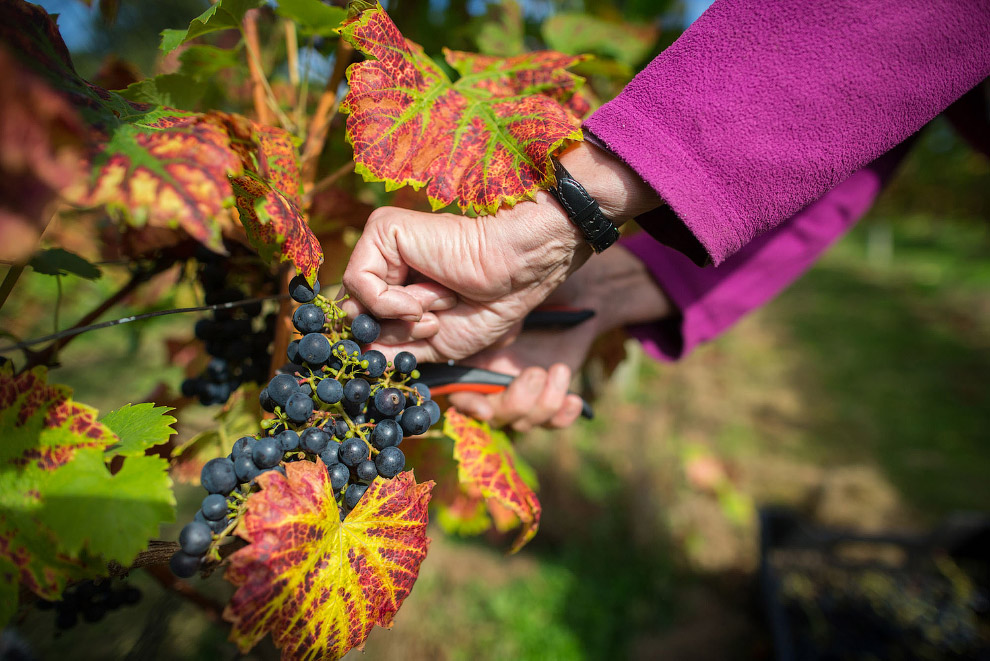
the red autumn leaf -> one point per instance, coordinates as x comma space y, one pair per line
157, 166
267, 195
317, 584
487, 461
410, 125
41, 141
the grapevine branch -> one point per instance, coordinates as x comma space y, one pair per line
253, 47
78, 329
329, 180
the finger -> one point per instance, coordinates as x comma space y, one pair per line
473, 404
395, 332
549, 401
432, 296
512, 404
568, 413
373, 279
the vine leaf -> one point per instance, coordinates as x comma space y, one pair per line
223, 15
502, 31
157, 166
58, 261
575, 32
312, 16
466, 143
488, 462
317, 584
267, 196
138, 427
41, 141
465, 515
63, 515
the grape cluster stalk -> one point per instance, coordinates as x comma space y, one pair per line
332, 403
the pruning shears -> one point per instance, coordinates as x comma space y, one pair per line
447, 378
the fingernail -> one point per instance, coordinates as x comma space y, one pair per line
561, 379
410, 317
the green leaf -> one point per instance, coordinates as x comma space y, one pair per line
139, 427
501, 30
57, 261
201, 62
175, 90
312, 17
63, 515
574, 33
224, 15
110, 515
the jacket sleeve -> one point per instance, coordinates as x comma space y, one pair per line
762, 106
710, 300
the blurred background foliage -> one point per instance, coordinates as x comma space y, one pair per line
858, 397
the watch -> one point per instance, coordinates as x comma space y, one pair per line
583, 209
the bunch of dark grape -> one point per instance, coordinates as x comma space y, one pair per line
332, 403
235, 338
92, 600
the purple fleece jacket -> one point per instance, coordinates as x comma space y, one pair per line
755, 112
762, 106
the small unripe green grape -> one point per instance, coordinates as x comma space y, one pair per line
414, 374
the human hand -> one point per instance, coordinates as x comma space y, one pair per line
619, 289
453, 286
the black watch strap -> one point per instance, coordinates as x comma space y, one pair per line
583, 210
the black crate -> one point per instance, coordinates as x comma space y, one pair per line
835, 595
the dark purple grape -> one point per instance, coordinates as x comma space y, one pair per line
339, 475
386, 433
353, 451
389, 401
241, 445
215, 526
195, 538
183, 565
314, 348
356, 391
376, 362
366, 471
281, 387
340, 429
404, 362
346, 348
300, 291
214, 507
288, 440
191, 387
299, 408
266, 402
292, 353
329, 391
415, 421
313, 440
365, 329
329, 456
308, 319
359, 419
390, 462
217, 370
434, 410
353, 495
218, 476
266, 453
423, 390
246, 469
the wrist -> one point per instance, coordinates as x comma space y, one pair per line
620, 192
621, 291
